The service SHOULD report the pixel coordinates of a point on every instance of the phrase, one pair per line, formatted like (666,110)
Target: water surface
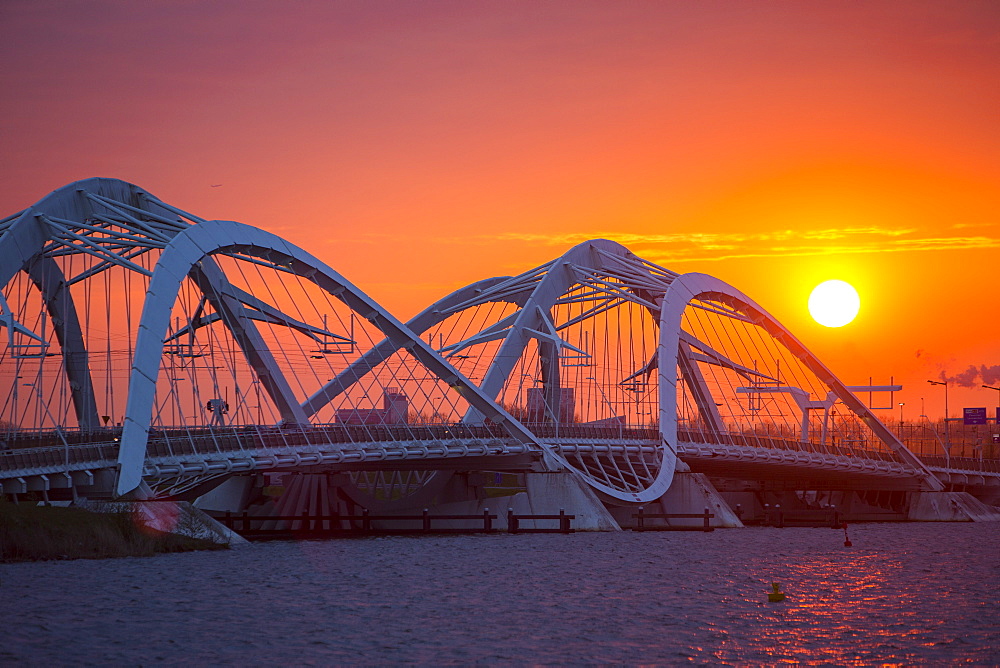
(909,594)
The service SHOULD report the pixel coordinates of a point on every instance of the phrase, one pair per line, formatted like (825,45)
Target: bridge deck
(189,452)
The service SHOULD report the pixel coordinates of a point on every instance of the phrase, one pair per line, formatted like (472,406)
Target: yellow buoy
(777,594)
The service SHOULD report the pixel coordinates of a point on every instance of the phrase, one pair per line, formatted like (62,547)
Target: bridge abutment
(550,492)
(177,517)
(455,493)
(949,507)
(689,494)
(233,495)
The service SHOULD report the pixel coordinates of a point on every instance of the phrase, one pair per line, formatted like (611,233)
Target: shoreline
(47,533)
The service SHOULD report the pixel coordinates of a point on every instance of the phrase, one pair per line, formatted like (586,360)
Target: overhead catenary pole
(990,387)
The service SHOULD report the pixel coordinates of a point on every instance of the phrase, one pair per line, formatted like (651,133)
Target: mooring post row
(305,522)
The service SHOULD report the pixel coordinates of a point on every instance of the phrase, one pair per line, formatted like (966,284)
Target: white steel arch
(688,287)
(185,254)
(30,238)
(112,223)
(536,292)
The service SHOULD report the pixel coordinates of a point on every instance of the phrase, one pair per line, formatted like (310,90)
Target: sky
(419,146)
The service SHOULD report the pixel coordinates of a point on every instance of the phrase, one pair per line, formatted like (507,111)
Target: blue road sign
(973,416)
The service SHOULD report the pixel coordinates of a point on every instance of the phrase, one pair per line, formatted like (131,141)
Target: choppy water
(926,594)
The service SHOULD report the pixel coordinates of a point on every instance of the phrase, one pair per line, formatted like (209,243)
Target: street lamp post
(997,415)
(990,387)
(947,432)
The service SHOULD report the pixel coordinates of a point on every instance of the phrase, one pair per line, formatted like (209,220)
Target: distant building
(395,410)
(614,421)
(536,411)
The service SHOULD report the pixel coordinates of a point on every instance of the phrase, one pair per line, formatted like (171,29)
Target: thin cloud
(721,246)
(895,246)
(964,226)
(702,246)
(695,238)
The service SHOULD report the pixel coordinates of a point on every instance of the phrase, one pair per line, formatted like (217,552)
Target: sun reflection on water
(827,615)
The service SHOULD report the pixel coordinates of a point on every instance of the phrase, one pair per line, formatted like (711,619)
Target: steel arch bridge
(146,347)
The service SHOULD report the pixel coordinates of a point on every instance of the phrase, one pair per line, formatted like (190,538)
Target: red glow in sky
(417,147)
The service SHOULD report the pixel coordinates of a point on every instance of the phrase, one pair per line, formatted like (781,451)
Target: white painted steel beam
(178,259)
(115,222)
(688,287)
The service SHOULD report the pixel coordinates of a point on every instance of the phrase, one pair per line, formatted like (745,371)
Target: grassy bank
(38,533)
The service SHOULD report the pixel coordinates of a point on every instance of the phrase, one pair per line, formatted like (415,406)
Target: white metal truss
(687,288)
(105,224)
(599,272)
(188,252)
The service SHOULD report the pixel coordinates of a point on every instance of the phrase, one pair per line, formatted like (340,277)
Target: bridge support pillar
(546,493)
(232,495)
(550,492)
(689,494)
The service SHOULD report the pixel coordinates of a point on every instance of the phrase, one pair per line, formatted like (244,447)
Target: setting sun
(834,303)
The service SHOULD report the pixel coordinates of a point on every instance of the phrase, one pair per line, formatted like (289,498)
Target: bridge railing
(40,449)
(964,463)
(178,442)
(551,431)
(51,448)
(58,455)
(776,443)
(20,439)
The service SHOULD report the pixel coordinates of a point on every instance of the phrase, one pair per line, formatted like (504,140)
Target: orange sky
(417,147)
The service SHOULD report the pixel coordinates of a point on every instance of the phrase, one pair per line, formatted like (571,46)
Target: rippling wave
(904,594)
